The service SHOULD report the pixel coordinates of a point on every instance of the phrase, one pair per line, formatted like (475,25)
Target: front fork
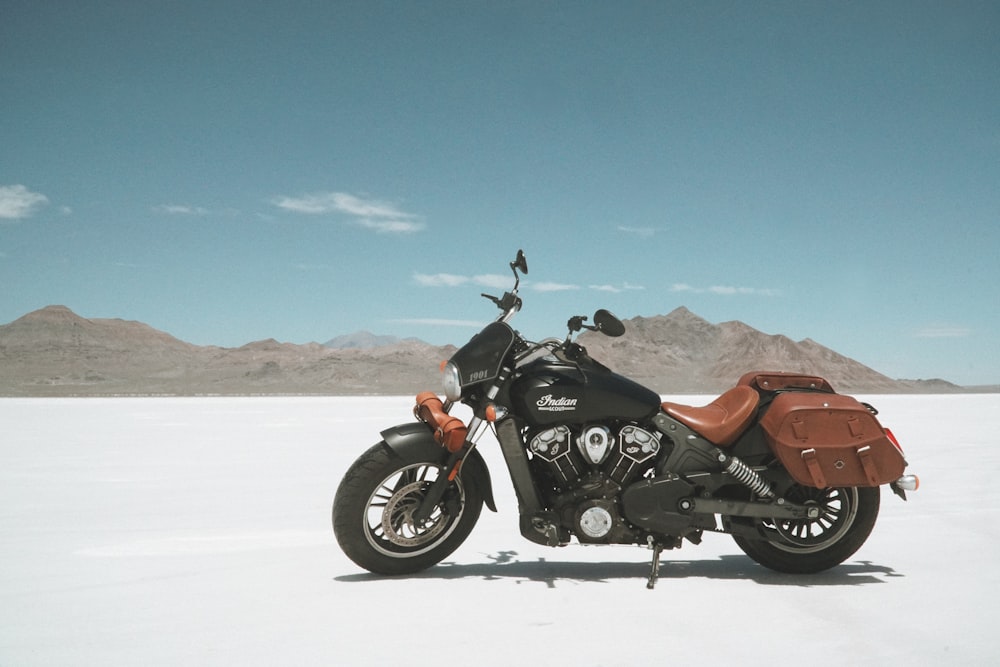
(529,501)
(448,469)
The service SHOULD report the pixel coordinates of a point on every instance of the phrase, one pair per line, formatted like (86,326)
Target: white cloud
(17,202)
(641,232)
(391,226)
(340,202)
(494,280)
(552,287)
(724,290)
(505,282)
(727,290)
(379,216)
(440,279)
(180,209)
(943,331)
(615,289)
(312,204)
(370,208)
(452,280)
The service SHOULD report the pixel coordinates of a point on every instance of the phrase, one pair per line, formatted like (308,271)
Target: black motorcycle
(787,466)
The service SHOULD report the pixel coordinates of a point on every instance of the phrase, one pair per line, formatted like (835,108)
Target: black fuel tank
(550,391)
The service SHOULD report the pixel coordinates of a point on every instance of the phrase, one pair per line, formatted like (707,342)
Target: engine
(588,466)
(572,455)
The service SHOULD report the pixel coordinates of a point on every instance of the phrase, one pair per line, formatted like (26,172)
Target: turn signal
(908,482)
(494,412)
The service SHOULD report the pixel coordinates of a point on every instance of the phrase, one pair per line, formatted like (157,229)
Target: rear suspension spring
(746,476)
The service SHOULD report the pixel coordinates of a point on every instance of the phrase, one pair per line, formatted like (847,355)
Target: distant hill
(55,352)
(681,352)
(365,340)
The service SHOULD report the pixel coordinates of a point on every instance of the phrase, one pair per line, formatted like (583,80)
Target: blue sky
(232,171)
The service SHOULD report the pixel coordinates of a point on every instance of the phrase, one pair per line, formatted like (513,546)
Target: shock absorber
(746,476)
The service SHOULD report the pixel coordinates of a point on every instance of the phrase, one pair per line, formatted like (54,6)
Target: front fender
(414,442)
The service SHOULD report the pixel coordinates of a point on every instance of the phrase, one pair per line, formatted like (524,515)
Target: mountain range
(55,352)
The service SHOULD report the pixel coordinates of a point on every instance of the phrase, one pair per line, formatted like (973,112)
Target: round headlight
(452,382)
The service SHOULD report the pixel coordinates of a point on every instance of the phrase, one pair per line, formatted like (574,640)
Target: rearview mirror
(521,263)
(608,324)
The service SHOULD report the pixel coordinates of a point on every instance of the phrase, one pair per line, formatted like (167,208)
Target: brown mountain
(55,352)
(56,347)
(681,352)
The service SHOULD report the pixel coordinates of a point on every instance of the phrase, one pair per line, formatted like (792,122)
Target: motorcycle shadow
(505,565)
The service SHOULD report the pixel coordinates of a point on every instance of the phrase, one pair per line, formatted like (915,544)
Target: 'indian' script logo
(548,403)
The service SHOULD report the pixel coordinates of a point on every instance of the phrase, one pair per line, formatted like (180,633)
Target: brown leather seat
(722,420)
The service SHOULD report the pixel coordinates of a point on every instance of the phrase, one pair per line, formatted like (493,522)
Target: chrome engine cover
(554,446)
(552,443)
(595,522)
(636,446)
(595,444)
(639,444)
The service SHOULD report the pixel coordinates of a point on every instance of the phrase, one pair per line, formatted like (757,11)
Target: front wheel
(373,513)
(805,546)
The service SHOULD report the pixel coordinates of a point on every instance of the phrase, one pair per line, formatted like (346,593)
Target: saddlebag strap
(868,463)
(815,470)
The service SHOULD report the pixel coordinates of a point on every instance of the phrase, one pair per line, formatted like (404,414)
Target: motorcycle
(781,462)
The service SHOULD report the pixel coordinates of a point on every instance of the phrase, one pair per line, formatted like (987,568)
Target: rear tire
(373,513)
(808,546)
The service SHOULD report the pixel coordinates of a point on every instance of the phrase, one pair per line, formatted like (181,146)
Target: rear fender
(414,442)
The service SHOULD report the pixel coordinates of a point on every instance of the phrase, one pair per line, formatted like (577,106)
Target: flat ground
(197,531)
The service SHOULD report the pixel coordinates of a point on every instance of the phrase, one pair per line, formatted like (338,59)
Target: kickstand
(654,568)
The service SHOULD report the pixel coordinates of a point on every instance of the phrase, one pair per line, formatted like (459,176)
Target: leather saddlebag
(829,440)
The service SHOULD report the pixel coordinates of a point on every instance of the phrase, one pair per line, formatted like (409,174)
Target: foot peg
(543,528)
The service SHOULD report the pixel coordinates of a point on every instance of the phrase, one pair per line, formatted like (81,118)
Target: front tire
(806,546)
(373,513)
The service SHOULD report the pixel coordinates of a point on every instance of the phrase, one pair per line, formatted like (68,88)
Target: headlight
(452,382)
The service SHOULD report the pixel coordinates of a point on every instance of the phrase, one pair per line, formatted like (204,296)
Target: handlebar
(549,345)
(510,302)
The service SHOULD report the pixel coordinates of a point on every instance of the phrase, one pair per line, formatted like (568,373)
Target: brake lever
(492,298)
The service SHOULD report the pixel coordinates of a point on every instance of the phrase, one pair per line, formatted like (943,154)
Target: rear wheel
(804,546)
(373,513)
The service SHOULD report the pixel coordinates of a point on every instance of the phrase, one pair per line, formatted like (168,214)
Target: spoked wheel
(373,514)
(804,546)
